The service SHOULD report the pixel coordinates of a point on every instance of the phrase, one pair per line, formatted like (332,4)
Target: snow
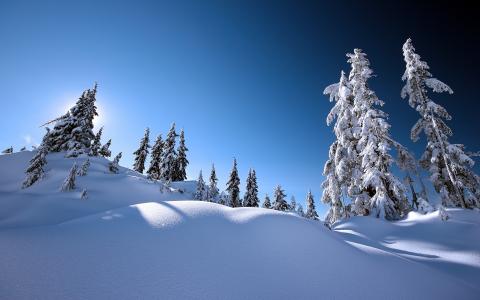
(128,240)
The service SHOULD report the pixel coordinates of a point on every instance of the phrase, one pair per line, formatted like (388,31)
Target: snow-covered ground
(130,241)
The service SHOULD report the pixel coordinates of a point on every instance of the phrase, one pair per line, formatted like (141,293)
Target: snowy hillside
(128,240)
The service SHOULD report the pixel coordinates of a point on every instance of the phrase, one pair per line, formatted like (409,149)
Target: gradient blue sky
(243,78)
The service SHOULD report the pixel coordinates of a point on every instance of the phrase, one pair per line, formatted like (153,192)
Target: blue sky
(243,78)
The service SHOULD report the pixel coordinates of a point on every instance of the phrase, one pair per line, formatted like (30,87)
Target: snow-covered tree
(449,165)
(251,194)
(266,202)
(169,156)
(73,132)
(96,144)
(233,186)
(35,169)
(156,161)
(69,183)
(342,169)
(382,193)
(142,152)
(84,194)
(105,150)
(279,202)
(224,199)
(8,151)
(113,166)
(181,161)
(201,191)
(311,212)
(300,211)
(84,168)
(293,204)
(424,206)
(212,188)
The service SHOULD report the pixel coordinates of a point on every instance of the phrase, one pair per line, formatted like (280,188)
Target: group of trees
(167,162)
(232,197)
(359,165)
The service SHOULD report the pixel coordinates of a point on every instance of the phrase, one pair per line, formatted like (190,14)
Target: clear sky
(243,78)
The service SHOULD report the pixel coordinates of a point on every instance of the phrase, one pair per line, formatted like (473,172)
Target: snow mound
(128,240)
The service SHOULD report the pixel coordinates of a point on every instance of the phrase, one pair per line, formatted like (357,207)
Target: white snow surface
(128,240)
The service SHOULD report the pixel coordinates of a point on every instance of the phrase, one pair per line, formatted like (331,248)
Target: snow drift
(129,240)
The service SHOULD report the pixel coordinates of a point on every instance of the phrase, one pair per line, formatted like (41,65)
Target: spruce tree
(201,191)
(95,147)
(311,212)
(8,151)
(35,169)
(293,204)
(233,186)
(279,199)
(212,188)
(156,161)
(449,165)
(105,150)
(382,193)
(300,211)
(84,168)
(84,194)
(69,183)
(181,161)
(251,194)
(169,156)
(142,152)
(113,166)
(266,202)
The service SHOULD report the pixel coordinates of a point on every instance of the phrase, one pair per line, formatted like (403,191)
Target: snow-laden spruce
(449,166)
(105,150)
(293,204)
(300,211)
(35,169)
(73,132)
(311,211)
(201,191)
(8,151)
(251,194)
(169,156)
(69,183)
(181,161)
(233,186)
(212,187)
(113,166)
(279,202)
(84,168)
(156,159)
(266,202)
(142,152)
(96,144)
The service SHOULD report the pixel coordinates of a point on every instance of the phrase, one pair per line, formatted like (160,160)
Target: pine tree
(251,194)
(73,132)
(224,199)
(181,161)
(266,202)
(113,166)
(293,204)
(342,169)
(156,161)
(213,189)
(69,183)
(233,186)
(169,156)
(84,194)
(105,150)
(449,165)
(84,168)
(280,203)
(201,191)
(311,212)
(300,211)
(35,169)
(95,147)
(142,152)
(382,193)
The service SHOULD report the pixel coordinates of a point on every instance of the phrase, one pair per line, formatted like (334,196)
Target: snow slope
(128,240)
